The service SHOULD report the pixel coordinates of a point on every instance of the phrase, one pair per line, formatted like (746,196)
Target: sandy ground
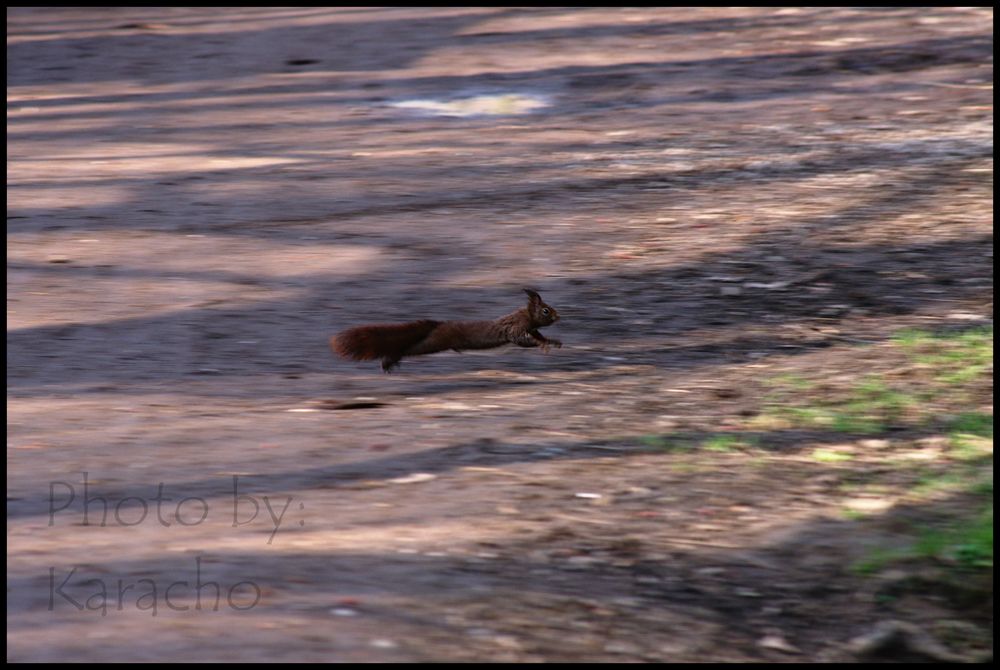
(199,198)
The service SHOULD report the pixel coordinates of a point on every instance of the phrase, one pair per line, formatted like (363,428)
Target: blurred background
(768,435)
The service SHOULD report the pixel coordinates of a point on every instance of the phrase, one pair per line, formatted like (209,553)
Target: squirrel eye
(545,311)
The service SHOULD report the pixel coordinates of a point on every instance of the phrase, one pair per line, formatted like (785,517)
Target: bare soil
(199,198)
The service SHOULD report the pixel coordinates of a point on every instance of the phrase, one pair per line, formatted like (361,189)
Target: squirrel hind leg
(388,363)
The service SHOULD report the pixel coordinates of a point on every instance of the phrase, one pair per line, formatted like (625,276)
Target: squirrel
(394,341)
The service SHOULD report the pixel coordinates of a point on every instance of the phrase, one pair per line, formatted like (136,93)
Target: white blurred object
(480,105)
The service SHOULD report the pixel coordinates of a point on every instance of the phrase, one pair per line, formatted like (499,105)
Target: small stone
(778,643)
(868,505)
(770,286)
(414,478)
(622,648)
(343,611)
(507,642)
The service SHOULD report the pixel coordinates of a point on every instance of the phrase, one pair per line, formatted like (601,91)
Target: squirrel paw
(544,346)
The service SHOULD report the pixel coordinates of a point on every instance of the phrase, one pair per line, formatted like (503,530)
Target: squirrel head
(540,313)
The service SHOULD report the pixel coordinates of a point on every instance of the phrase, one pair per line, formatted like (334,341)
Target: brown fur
(394,341)
(366,343)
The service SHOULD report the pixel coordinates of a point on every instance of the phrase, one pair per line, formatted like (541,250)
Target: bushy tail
(383,341)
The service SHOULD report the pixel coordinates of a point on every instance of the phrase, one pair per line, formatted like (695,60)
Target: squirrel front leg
(545,341)
(533,338)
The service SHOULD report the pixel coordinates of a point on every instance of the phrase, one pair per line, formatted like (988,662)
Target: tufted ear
(533,295)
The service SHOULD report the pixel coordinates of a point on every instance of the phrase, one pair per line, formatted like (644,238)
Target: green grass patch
(680,442)
(977,424)
(918,338)
(941,481)
(966,545)
(726,442)
(964,542)
(938,385)
(790,381)
(830,456)
(953,358)
(665,442)
(869,408)
(877,559)
(852,514)
(940,361)
(970,437)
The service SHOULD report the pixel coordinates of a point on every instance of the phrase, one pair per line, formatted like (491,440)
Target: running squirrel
(393,342)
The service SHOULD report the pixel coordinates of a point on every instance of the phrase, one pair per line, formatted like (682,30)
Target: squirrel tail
(387,342)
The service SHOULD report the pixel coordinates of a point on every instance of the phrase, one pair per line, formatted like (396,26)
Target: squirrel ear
(533,295)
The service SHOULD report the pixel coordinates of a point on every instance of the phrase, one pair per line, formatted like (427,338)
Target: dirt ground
(199,198)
